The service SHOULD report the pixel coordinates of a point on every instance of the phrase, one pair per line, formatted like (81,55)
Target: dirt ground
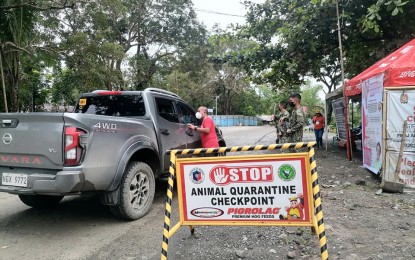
(361,222)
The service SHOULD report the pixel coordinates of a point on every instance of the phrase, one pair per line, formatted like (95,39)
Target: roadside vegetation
(53,50)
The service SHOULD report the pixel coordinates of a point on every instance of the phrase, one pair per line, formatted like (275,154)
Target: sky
(232,11)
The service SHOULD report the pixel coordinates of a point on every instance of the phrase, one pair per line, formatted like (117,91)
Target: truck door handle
(189,132)
(8,123)
(164,131)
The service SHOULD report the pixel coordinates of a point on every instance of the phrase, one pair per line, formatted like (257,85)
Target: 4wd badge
(105,127)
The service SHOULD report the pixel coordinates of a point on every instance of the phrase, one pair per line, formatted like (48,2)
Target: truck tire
(40,201)
(137,190)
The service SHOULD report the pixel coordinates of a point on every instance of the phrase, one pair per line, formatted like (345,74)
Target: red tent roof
(399,69)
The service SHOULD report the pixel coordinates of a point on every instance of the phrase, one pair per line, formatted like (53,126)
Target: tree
(122,44)
(227,78)
(16,25)
(304,43)
(303,36)
(18,37)
(310,97)
(374,13)
(207,73)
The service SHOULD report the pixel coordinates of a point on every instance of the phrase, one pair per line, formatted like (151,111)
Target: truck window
(165,108)
(187,115)
(112,105)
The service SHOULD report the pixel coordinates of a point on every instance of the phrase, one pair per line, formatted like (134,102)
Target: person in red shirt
(318,124)
(207,129)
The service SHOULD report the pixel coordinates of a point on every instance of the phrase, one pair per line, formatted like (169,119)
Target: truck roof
(128,92)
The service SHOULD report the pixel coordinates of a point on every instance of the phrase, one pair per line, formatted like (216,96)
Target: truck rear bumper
(64,182)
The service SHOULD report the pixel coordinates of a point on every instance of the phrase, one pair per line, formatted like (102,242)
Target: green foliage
(16,33)
(34,87)
(249,103)
(66,88)
(299,38)
(377,10)
(54,50)
(355,114)
(310,97)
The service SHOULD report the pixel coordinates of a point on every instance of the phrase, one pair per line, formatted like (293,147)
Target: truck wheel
(137,190)
(40,201)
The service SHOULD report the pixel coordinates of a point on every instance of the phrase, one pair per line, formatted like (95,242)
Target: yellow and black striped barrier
(317,213)
(319,226)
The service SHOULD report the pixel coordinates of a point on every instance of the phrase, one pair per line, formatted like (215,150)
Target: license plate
(14,179)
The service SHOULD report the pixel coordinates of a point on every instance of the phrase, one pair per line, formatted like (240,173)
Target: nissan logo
(7,138)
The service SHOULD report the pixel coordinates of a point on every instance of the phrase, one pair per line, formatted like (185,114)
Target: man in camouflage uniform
(297,120)
(282,123)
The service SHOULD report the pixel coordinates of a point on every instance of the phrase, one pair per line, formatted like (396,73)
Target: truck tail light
(73,146)
(107,93)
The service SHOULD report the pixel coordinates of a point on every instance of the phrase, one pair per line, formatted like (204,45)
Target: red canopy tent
(398,69)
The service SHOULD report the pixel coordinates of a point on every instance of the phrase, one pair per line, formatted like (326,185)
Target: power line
(214,12)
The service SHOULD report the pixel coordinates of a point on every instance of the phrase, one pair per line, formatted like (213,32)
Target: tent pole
(346,115)
(352,115)
(326,125)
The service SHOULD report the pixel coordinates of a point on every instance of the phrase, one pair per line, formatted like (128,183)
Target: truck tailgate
(32,140)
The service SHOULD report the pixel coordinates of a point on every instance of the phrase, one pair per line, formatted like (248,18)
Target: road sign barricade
(245,190)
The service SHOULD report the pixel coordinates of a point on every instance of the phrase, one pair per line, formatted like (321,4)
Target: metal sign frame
(298,158)
(313,189)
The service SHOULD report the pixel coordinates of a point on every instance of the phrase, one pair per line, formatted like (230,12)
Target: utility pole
(348,143)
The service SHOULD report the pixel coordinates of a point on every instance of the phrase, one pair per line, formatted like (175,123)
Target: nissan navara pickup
(114,143)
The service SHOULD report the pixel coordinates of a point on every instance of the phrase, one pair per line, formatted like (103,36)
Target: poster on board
(406,174)
(401,107)
(338,109)
(372,95)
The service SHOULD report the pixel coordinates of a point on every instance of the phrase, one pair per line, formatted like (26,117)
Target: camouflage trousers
(284,139)
(296,137)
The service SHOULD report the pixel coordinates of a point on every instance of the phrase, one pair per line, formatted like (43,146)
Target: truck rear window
(112,105)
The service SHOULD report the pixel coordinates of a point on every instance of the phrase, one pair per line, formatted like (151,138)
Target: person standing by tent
(318,124)
(297,119)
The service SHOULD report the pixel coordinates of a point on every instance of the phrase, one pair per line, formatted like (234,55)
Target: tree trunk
(3,83)
(120,75)
(15,83)
(329,112)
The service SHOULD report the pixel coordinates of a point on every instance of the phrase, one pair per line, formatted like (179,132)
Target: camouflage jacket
(283,125)
(297,120)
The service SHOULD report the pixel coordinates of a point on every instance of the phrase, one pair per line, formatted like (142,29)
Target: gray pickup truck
(114,143)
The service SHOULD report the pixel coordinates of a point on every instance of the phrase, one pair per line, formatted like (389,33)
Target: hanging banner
(406,174)
(372,94)
(338,109)
(245,190)
(401,107)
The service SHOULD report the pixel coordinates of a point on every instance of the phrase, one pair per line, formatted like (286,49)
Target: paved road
(81,228)
(254,135)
